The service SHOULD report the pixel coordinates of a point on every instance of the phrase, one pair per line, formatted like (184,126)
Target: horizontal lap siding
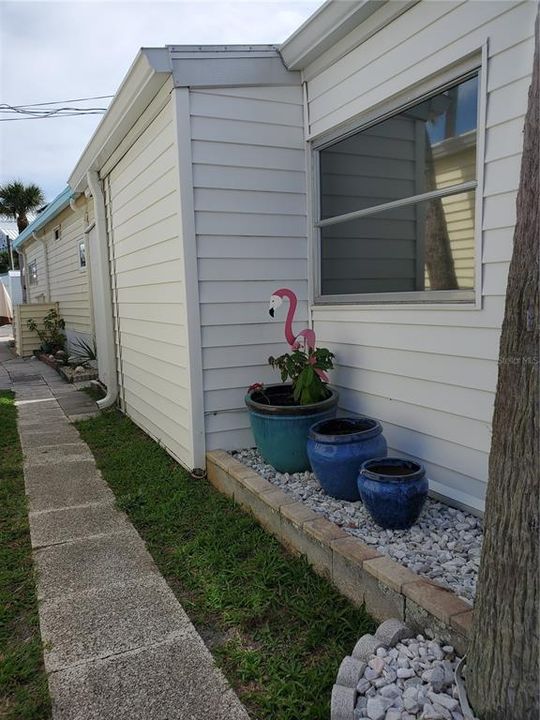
(430,375)
(148,292)
(69,284)
(250,220)
(34,253)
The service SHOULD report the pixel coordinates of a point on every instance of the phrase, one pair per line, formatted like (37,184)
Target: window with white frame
(81,250)
(397,203)
(33,273)
(57,233)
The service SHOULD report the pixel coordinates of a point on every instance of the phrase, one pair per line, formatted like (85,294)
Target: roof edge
(327,26)
(146,75)
(54,208)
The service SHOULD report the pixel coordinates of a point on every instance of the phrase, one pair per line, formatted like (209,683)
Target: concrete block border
(388,589)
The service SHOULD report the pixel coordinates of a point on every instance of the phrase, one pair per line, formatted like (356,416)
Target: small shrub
(51,333)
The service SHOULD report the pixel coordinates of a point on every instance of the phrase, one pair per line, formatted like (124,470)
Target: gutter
(101,292)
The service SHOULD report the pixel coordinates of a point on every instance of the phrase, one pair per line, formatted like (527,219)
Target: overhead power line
(29,111)
(57,102)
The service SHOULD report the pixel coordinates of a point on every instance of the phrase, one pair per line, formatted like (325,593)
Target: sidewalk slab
(92,563)
(52,487)
(66,452)
(46,438)
(51,527)
(172,681)
(96,623)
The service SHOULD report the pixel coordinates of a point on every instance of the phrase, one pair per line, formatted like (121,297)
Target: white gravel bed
(444,545)
(414,680)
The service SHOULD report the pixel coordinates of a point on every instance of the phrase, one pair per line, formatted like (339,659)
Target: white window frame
(31,281)
(81,241)
(57,229)
(475,63)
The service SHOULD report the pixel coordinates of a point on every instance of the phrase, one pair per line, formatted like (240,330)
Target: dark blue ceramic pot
(393,490)
(337,448)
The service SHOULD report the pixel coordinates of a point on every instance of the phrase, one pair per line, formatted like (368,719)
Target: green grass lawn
(277,629)
(23,683)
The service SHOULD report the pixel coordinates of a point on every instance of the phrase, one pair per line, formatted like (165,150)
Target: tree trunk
(22,222)
(502,663)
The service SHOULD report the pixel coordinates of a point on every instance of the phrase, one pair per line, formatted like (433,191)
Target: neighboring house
(370,164)
(55,263)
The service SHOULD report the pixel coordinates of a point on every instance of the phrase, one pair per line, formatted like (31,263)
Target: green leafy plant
(307,371)
(84,352)
(51,333)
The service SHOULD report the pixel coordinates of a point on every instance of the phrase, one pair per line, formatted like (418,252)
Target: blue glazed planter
(393,490)
(337,448)
(281,427)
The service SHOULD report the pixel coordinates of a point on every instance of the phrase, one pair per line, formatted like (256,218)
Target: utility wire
(28,112)
(56,102)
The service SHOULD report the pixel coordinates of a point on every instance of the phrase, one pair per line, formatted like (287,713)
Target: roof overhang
(148,73)
(327,26)
(229,66)
(334,22)
(54,208)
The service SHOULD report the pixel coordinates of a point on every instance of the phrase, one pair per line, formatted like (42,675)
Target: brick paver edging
(388,589)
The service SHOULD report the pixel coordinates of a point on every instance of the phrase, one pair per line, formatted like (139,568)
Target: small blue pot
(336,450)
(281,427)
(394,491)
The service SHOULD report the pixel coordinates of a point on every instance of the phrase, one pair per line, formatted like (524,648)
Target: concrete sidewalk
(117,644)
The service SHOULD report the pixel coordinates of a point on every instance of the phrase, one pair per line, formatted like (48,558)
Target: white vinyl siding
(36,292)
(430,374)
(250,220)
(68,285)
(146,256)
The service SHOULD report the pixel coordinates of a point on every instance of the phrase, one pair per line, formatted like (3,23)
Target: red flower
(255,386)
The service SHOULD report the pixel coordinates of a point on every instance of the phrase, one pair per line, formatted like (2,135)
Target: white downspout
(101,286)
(46,258)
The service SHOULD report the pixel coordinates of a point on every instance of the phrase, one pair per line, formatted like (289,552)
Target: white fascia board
(149,71)
(198,66)
(326,27)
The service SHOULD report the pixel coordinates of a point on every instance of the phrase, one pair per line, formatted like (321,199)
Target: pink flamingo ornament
(307,335)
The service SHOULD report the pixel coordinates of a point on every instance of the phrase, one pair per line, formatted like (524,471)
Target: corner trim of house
(188,240)
(359,572)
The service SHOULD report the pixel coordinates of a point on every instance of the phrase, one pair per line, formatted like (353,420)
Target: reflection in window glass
(82,254)
(33,273)
(428,146)
(427,245)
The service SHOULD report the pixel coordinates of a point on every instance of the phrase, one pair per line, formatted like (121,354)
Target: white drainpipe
(46,259)
(101,286)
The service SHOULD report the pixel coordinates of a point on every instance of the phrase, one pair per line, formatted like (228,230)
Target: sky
(52,51)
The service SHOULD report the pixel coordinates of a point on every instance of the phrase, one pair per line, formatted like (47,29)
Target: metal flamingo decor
(307,335)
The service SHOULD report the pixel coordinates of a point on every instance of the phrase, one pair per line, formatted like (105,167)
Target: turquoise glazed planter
(281,427)
(337,448)
(394,491)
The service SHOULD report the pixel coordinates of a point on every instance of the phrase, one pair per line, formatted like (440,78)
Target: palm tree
(17,200)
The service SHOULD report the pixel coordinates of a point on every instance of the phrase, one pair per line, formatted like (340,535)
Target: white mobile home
(55,263)
(371,165)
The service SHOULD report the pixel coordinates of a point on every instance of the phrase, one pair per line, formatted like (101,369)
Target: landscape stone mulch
(444,545)
(395,675)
